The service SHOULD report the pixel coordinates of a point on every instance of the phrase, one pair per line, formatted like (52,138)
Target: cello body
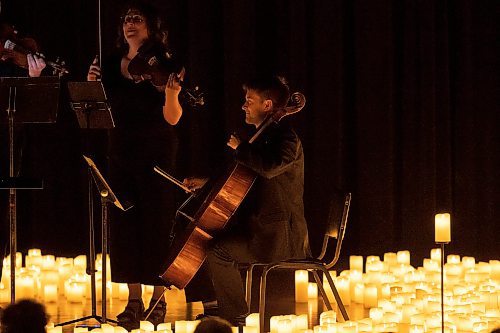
(189,248)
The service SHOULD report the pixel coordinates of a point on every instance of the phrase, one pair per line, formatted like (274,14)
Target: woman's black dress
(141,139)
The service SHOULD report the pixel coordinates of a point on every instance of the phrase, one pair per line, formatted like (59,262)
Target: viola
(15,49)
(155,63)
(188,250)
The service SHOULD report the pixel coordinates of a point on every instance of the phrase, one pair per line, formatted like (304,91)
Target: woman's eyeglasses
(132,19)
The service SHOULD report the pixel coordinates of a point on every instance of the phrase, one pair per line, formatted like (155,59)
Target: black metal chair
(333,227)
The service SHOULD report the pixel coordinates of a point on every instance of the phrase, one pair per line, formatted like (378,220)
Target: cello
(188,250)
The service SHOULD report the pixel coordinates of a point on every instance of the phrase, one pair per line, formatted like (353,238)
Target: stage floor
(63,311)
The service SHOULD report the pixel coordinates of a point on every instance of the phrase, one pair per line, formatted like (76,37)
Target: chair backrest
(335,224)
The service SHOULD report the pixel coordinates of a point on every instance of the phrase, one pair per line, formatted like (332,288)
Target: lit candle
(370,298)
(146,325)
(417,328)
(359,290)
(285,326)
(252,320)
(107,328)
(80,263)
(301,286)
(453,259)
(25,287)
(468,262)
(50,293)
(436,255)
(180,326)
(164,327)
(75,292)
(328,317)
(312,290)
(442,228)
(376,314)
(342,284)
(403,257)
(356,263)
(390,258)
(355,277)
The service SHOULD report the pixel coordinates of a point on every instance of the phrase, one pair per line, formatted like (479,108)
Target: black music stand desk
(25,100)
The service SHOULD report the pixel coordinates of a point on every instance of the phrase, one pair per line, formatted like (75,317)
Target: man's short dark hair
(274,88)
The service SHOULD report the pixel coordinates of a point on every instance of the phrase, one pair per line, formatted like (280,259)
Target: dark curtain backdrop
(402,110)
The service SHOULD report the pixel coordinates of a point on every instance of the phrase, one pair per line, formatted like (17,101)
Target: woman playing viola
(144,135)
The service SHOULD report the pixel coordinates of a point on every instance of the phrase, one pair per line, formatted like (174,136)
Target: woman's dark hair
(153,22)
(274,88)
(25,316)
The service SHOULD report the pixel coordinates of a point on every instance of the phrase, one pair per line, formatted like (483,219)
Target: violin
(15,49)
(155,63)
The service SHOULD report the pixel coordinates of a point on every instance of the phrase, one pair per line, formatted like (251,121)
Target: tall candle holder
(442,237)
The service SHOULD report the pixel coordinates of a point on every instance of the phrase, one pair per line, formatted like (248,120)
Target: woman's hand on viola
(173,87)
(94,73)
(35,65)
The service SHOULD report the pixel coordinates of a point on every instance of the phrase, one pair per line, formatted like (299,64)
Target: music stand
(88,101)
(26,100)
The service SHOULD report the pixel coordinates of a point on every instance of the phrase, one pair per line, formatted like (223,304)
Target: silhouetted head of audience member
(213,325)
(25,316)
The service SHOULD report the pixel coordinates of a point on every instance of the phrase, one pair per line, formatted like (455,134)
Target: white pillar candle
(301,322)
(403,257)
(356,263)
(435,255)
(252,320)
(416,328)
(285,326)
(146,325)
(390,258)
(342,283)
(80,329)
(34,252)
(164,326)
(75,292)
(442,228)
(312,290)
(495,269)
(301,286)
(376,314)
(355,277)
(107,328)
(248,329)
(80,263)
(370,260)
(370,297)
(453,259)
(348,327)
(48,262)
(50,293)
(25,287)
(328,317)
(180,326)
(468,262)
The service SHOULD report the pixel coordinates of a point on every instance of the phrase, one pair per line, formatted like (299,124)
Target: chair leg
(248,289)
(322,290)
(336,294)
(262,300)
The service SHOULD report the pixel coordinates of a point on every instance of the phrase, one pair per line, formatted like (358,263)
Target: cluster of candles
(400,298)
(397,296)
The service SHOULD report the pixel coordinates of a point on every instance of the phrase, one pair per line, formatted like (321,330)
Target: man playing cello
(270,221)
